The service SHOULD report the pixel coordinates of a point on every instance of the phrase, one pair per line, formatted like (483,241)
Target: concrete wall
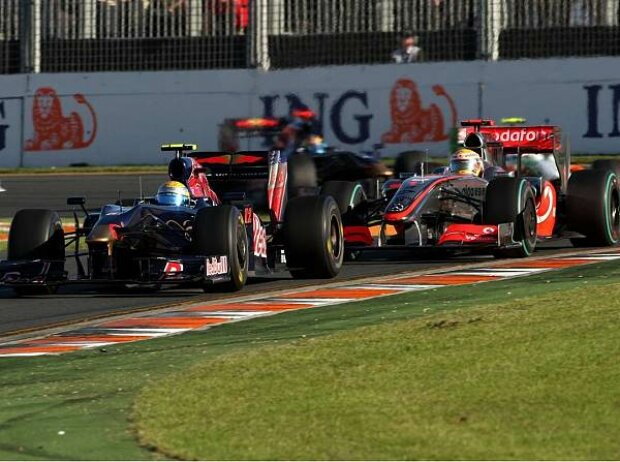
(121,118)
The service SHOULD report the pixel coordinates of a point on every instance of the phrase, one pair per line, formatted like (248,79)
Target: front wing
(151,270)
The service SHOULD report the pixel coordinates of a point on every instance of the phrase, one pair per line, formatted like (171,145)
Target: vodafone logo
(520,135)
(489,230)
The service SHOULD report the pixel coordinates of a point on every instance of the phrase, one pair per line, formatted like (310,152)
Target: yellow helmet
(466,162)
(173,193)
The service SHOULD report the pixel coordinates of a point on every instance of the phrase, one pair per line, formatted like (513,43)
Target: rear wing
(237,165)
(533,138)
(233,130)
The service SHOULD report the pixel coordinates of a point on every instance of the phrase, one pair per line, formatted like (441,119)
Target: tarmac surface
(77,303)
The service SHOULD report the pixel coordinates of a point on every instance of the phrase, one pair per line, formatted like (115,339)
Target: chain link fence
(143,35)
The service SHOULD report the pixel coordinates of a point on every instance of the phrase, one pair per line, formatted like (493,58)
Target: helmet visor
(171,198)
(463,166)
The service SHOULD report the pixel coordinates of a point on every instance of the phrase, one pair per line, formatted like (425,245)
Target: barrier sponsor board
(122,118)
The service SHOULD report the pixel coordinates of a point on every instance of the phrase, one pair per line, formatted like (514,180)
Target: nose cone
(102,233)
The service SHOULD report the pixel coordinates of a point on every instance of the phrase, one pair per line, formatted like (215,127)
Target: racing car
(312,163)
(203,236)
(528,192)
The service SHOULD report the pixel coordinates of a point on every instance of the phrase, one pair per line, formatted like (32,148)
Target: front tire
(220,231)
(314,237)
(37,234)
(593,207)
(511,200)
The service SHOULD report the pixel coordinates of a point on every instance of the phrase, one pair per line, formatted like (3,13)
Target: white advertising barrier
(10,131)
(12,90)
(122,118)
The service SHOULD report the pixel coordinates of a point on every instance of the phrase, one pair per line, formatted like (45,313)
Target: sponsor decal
(217,266)
(413,123)
(54,130)
(173,266)
(611,124)
(474,192)
(538,137)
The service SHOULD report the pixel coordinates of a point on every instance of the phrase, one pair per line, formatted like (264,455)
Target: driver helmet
(173,193)
(316,145)
(466,162)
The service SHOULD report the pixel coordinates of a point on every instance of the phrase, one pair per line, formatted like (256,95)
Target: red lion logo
(53,130)
(410,122)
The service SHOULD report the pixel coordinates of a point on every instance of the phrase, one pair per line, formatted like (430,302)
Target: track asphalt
(76,303)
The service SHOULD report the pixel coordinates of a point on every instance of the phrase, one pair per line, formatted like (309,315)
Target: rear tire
(221,231)
(302,174)
(410,163)
(593,207)
(511,200)
(607,164)
(347,194)
(36,234)
(314,237)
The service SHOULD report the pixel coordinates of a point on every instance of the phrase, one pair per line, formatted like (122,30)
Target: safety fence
(135,35)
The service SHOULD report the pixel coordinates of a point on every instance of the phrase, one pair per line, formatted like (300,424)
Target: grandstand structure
(148,35)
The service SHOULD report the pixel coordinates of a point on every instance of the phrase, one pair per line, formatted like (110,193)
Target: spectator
(226,17)
(409,50)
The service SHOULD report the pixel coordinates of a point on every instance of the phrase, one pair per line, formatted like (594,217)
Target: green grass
(90,395)
(535,378)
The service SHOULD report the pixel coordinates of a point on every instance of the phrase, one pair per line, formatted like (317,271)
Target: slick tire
(302,175)
(410,163)
(313,237)
(511,200)
(36,234)
(593,207)
(347,194)
(221,231)
(607,164)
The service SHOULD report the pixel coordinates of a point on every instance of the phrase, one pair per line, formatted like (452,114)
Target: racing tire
(302,174)
(593,207)
(219,231)
(313,237)
(512,200)
(347,194)
(607,164)
(410,162)
(36,234)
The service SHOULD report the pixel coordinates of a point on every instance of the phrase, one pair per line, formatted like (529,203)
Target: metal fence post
(490,21)
(259,31)
(196,15)
(89,21)
(386,15)
(30,36)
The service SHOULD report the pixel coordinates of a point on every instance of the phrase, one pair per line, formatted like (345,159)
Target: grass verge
(534,378)
(79,405)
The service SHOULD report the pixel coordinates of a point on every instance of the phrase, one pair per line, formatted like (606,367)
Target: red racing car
(527,193)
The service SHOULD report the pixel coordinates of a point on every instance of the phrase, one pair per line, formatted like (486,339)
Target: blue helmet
(173,193)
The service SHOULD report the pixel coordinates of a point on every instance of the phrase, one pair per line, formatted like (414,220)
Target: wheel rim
(334,241)
(614,215)
(529,226)
(241,249)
